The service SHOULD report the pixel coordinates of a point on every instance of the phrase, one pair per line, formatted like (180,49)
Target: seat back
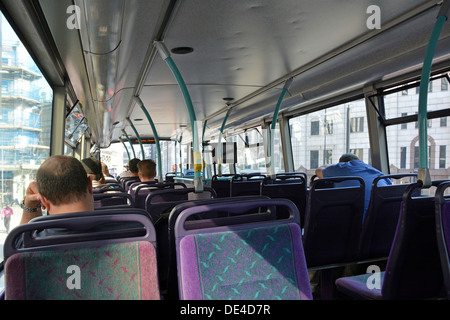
(222,185)
(287,187)
(162,201)
(414,268)
(333,221)
(245,185)
(113,199)
(84,256)
(252,260)
(442,208)
(143,190)
(381,217)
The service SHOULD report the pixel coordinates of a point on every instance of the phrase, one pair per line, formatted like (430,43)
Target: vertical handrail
(138,137)
(155,135)
(219,143)
(271,132)
(424,172)
(126,149)
(129,141)
(197,156)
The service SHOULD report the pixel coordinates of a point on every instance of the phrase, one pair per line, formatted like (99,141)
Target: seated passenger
(147,170)
(146,173)
(61,186)
(350,165)
(132,169)
(93,169)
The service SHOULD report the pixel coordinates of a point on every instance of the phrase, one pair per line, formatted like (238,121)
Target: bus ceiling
(231,54)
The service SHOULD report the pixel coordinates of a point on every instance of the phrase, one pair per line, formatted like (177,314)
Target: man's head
(93,166)
(62,180)
(132,166)
(105,169)
(346,157)
(147,170)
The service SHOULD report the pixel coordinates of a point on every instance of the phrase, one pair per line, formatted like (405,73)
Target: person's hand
(32,196)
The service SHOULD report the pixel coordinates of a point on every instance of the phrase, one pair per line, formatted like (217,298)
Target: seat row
(219,248)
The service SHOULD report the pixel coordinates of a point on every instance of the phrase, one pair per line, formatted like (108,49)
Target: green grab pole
(129,141)
(198,185)
(155,134)
(424,172)
(273,126)
(138,137)
(126,149)
(203,151)
(219,144)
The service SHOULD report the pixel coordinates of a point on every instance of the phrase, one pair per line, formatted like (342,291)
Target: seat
(292,187)
(221,184)
(245,185)
(413,270)
(169,225)
(113,199)
(442,207)
(381,217)
(143,190)
(99,255)
(162,201)
(245,261)
(333,221)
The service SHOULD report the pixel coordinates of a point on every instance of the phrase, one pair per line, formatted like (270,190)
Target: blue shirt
(359,169)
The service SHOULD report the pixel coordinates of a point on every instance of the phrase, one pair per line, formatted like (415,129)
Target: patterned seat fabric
(252,264)
(124,271)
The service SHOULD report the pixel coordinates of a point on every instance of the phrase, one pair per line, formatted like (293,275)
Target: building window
(329,126)
(403,158)
(444,84)
(315,128)
(443,122)
(404,126)
(417,157)
(314,159)
(357,124)
(327,157)
(358,152)
(442,156)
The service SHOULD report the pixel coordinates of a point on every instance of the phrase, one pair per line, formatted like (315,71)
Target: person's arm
(31,204)
(319,172)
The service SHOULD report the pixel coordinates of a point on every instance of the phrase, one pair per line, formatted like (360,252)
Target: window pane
(310,152)
(403,144)
(25,123)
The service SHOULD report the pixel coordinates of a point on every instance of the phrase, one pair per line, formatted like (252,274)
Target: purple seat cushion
(356,286)
(124,271)
(252,264)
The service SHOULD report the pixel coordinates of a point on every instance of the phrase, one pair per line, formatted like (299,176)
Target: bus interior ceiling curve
(244,50)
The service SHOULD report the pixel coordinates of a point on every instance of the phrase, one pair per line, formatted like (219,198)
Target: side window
(25,125)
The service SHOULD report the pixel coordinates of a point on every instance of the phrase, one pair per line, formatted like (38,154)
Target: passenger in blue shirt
(350,165)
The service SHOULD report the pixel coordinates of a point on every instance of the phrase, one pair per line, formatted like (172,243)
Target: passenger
(147,170)
(146,173)
(350,165)
(132,169)
(105,171)
(61,186)
(93,169)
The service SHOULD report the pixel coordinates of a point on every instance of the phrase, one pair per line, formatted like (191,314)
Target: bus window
(403,137)
(320,138)
(25,124)
(116,156)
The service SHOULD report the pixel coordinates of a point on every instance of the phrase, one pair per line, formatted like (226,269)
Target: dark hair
(348,157)
(62,180)
(132,165)
(93,166)
(147,168)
